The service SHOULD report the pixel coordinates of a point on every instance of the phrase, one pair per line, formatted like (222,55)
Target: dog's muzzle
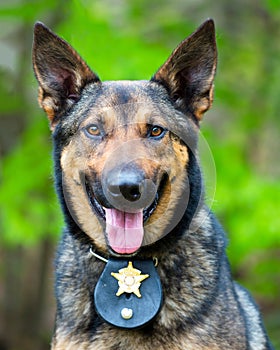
(128,190)
(129,194)
(125,199)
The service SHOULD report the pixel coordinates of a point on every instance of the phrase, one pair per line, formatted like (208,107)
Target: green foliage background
(129,40)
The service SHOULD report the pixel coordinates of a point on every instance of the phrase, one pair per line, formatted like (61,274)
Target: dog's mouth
(124,230)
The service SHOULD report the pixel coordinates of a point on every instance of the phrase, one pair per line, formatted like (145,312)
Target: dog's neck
(101,257)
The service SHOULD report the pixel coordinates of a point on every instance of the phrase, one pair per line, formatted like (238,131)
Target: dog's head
(125,150)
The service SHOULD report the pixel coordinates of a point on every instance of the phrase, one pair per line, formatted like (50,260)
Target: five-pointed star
(129,280)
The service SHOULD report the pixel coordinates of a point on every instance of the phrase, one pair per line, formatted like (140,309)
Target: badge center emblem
(129,280)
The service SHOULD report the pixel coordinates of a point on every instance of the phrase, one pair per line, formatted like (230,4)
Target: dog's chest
(135,341)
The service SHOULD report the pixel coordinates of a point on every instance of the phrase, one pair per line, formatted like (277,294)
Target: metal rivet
(127,313)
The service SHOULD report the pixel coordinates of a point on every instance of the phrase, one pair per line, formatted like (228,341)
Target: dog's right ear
(60,71)
(189,72)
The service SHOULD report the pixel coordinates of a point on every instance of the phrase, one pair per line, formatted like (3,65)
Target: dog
(141,263)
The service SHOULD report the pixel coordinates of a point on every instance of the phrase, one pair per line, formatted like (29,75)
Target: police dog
(130,186)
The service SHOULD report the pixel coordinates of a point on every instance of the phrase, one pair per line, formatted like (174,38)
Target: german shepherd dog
(141,264)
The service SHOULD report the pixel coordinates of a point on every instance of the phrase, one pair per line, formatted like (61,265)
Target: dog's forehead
(128,92)
(118,103)
(124,102)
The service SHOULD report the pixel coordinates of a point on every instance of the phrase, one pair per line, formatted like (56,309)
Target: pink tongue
(125,230)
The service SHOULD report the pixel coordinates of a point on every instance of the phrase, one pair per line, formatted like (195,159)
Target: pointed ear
(188,73)
(60,71)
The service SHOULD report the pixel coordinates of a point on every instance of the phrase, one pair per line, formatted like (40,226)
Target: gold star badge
(129,280)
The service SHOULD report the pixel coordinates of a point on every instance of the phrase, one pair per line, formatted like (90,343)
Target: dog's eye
(156,131)
(93,130)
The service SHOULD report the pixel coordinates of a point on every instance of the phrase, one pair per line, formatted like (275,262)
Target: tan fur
(71,164)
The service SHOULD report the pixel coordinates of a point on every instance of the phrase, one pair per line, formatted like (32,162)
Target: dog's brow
(93,117)
(155,118)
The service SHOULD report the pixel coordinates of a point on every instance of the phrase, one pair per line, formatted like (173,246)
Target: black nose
(128,184)
(131,191)
(128,190)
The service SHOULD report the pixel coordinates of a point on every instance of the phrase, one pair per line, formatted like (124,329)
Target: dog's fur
(148,128)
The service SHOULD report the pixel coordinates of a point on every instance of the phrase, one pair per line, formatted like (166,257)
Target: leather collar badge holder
(128,294)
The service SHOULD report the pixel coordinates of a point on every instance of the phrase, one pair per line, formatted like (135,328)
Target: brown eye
(156,131)
(93,130)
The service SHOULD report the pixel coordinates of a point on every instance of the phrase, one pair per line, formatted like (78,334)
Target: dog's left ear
(60,71)
(189,72)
